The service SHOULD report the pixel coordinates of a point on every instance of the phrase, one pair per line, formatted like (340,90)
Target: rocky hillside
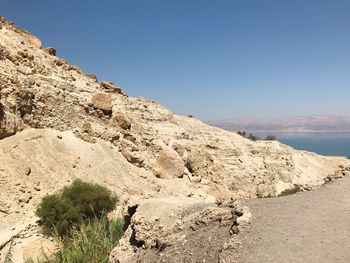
(171,172)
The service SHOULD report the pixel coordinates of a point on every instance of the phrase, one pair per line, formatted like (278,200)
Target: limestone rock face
(65,125)
(8,122)
(193,230)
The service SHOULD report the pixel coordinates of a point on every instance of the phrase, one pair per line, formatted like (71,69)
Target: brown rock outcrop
(103,102)
(110,87)
(122,120)
(50,51)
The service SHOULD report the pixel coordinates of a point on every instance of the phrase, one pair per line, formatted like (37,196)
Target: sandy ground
(305,227)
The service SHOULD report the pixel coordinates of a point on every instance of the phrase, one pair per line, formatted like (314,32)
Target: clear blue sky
(213,59)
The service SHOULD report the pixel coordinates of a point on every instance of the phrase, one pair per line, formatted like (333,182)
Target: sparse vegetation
(74,204)
(270,138)
(8,255)
(242,133)
(91,242)
(250,136)
(290,191)
(256,138)
(253,137)
(76,218)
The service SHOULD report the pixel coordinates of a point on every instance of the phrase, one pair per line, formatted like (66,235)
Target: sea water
(324,143)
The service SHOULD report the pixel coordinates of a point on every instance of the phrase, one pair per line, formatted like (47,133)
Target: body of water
(334,143)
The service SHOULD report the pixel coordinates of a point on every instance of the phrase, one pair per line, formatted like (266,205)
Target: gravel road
(304,227)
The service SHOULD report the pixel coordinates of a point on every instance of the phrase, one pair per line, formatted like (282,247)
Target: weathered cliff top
(58,124)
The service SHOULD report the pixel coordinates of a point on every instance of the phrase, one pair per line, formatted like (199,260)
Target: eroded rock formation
(61,124)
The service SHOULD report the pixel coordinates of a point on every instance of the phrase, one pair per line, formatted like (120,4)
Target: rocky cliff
(173,174)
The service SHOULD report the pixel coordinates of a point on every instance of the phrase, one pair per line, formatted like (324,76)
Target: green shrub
(92,242)
(290,191)
(250,136)
(242,133)
(73,205)
(270,138)
(253,137)
(8,254)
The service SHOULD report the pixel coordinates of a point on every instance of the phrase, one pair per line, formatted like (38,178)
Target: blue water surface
(334,143)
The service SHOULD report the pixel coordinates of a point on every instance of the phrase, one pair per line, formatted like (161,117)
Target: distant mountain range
(325,123)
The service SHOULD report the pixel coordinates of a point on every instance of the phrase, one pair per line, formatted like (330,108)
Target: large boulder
(102,101)
(169,164)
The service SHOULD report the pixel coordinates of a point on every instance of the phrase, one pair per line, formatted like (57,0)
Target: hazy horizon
(252,118)
(213,60)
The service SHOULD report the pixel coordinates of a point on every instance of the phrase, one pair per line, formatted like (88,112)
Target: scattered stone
(23,54)
(50,50)
(169,164)
(123,121)
(195,179)
(60,62)
(24,70)
(102,101)
(27,171)
(110,87)
(132,158)
(24,198)
(92,77)
(25,102)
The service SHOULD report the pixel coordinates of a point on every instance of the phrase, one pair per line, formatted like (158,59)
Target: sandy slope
(305,227)
(58,124)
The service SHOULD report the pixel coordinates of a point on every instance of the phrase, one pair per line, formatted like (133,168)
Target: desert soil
(305,227)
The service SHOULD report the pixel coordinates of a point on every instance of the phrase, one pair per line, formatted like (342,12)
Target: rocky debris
(169,164)
(134,146)
(27,170)
(60,62)
(133,157)
(342,172)
(92,77)
(8,123)
(25,70)
(110,87)
(102,101)
(4,53)
(50,50)
(25,102)
(122,120)
(175,229)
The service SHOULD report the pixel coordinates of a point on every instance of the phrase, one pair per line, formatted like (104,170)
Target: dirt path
(305,227)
